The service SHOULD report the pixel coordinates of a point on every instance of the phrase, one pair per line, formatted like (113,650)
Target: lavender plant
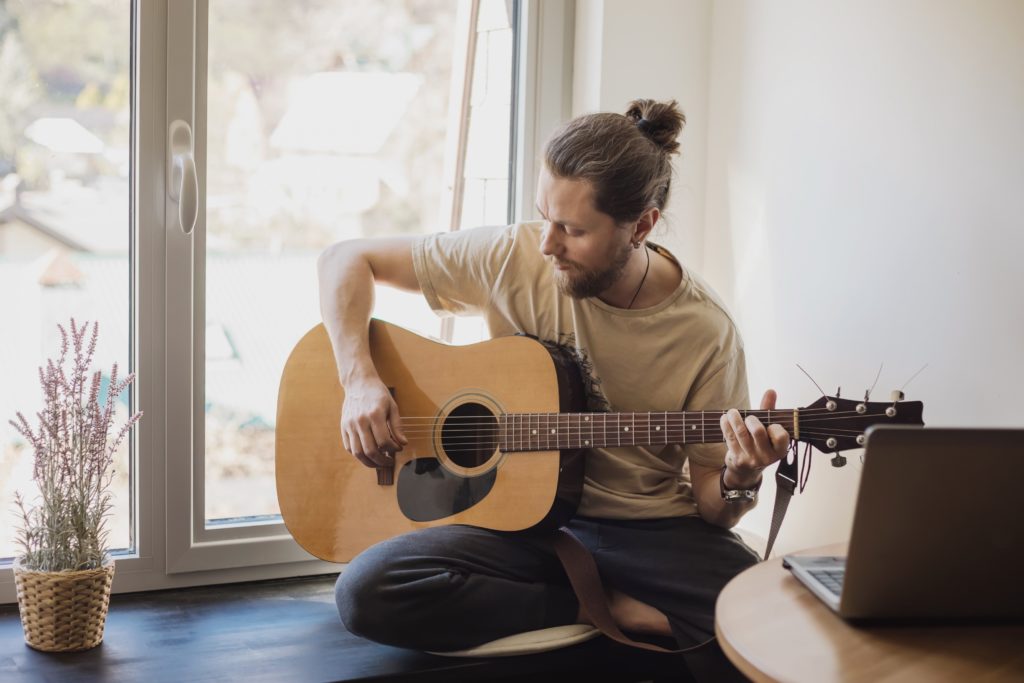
(74,458)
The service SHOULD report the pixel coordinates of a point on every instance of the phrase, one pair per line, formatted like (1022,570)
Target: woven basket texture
(64,611)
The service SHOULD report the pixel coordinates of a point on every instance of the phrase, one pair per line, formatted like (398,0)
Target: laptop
(938,530)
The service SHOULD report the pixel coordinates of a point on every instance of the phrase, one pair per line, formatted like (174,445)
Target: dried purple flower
(74,457)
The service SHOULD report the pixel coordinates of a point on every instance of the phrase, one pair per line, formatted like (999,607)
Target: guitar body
(334,506)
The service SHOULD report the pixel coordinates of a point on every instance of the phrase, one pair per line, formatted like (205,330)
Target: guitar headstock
(832,424)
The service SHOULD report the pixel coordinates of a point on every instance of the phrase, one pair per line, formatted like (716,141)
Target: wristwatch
(738,495)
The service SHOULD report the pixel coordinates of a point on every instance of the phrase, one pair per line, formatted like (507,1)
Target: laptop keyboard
(832,579)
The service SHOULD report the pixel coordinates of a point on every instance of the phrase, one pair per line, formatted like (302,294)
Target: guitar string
(525,424)
(539,448)
(631,434)
(562,418)
(466,434)
(671,413)
(538,444)
(597,425)
(713,437)
(472,433)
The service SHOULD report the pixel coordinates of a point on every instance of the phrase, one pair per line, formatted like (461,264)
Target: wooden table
(773,629)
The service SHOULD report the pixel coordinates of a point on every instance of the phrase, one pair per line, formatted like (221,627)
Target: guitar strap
(586,581)
(785,485)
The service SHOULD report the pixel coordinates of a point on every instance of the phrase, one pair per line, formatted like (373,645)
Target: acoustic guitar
(497,431)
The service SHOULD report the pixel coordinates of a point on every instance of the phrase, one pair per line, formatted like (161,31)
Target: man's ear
(648,219)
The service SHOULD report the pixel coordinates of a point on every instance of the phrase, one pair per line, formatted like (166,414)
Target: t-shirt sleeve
(457,271)
(723,387)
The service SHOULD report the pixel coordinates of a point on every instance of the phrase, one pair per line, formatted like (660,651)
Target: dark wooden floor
(284,631)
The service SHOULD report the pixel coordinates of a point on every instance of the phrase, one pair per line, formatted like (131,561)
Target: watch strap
(737,495)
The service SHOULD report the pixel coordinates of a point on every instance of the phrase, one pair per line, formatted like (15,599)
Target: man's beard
(580,283)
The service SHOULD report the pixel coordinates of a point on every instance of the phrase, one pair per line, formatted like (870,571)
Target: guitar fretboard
(554,431)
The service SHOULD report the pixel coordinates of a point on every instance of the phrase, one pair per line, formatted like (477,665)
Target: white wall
(864,198)
(865,175)
(624,50)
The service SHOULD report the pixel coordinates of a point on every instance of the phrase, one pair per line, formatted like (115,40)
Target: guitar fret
(642,423)
(548,429)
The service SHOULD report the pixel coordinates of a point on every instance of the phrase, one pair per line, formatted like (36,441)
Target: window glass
(65,121)
(327,121)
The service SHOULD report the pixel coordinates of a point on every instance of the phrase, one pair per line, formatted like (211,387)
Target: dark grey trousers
(454,587)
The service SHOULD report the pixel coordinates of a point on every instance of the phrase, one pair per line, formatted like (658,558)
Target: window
(65,136)
(307,123)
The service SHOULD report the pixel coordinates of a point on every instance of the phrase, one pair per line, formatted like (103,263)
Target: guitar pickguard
(427,491)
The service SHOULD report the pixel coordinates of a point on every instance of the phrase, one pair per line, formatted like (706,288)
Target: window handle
(183,182)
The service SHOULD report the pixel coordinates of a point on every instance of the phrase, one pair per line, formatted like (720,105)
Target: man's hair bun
(660,121)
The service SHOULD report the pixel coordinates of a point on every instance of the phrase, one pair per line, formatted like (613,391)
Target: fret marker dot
(586,419)
(692,427)
(534,431)
(552,431)
(625,429)
(586,443)
(657,429)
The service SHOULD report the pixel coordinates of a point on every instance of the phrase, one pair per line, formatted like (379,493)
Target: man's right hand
(371,428)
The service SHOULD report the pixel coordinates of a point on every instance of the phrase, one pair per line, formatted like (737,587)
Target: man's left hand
(752,446)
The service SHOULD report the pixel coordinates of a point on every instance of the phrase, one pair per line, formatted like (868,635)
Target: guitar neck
(555,431)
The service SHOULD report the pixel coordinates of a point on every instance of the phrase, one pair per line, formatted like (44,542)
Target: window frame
(172,546)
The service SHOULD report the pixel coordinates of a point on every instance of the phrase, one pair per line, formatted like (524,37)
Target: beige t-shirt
(681,354)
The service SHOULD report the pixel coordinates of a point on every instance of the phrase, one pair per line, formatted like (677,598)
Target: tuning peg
(896,397)
(838,460)
(838,391)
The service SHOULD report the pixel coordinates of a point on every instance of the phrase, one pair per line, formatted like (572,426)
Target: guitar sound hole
(470,435)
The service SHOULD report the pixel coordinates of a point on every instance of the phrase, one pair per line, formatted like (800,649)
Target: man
(648,335)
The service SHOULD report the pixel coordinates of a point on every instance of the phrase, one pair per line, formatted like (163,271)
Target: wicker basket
(64,611)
